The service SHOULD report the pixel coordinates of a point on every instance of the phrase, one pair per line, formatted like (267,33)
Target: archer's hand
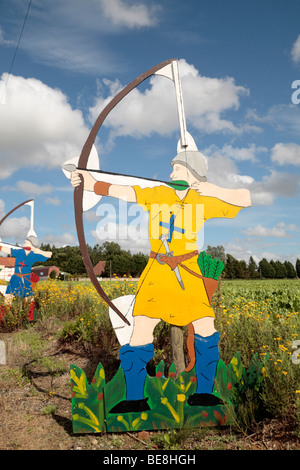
(81,175)
(236,197)
(203,188)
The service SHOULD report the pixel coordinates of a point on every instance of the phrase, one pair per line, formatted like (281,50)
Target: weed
(54,366)
(49,410)
(13,376)
(30,342)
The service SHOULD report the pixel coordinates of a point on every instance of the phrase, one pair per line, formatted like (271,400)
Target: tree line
(264,269)
(118,262)
(121,262)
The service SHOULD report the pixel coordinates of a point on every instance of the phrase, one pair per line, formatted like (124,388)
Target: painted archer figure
(20,284)
(171,287)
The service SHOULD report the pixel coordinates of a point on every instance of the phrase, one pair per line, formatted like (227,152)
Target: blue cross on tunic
(172,227)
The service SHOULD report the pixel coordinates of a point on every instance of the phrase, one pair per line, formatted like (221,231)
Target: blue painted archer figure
(20,284)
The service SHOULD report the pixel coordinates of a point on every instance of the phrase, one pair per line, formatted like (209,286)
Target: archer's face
(28,244)
(180,172)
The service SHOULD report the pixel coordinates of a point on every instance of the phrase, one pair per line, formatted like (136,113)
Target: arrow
(178,185)
(11,245)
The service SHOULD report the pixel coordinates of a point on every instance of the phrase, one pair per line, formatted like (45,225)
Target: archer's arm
(5,249)
(118,191)
(237,197)
(47,254)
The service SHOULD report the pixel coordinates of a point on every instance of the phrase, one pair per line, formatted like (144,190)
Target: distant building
(7,268)
(43,272)
(99,268)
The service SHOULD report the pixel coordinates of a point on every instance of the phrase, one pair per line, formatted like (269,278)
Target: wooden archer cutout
(22,283)
(176,286)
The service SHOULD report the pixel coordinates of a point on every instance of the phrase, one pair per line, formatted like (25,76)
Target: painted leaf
(98,381)
(222,386)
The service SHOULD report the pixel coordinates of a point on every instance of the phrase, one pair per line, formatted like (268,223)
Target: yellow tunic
(159,294)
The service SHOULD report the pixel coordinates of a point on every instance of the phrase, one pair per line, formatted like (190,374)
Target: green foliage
(262,317)
(87,400)
(85,329)
(121,262)
(12,376)
(298,267)
(209,266)
(118,261)
(167,399)
(49,410)
(53,365)
(15,316)
(247,387)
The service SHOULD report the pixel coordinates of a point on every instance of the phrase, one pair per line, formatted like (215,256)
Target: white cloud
(33,189)
(275,184)
(2,208)
(15,228)
(125,225)
(136,246)
(223,171)
(154,110)
(75,34)
(38,127)
(74,52)
(238,250)
(123,13)
(125,236)
(286,154)
(295,52)
(268,255)
(249,153)
(259,197)
(279,231)
(282,117)
(54,201)
(59,240)
(3,41)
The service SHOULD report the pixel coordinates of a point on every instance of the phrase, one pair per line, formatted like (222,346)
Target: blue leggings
(135,358)
(207,356)
(133,362)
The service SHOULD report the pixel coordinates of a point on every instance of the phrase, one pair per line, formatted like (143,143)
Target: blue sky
(238,61)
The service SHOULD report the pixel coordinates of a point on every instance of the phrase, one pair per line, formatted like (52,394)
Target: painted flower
(181,397)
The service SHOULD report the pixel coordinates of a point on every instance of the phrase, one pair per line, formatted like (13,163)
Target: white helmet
(33,240)
(194,161)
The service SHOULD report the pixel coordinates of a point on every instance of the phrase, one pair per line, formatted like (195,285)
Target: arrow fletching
(178,185)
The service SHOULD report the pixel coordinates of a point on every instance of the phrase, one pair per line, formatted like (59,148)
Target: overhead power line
(16,50)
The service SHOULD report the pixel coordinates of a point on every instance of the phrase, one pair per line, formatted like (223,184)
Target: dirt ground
(35,412)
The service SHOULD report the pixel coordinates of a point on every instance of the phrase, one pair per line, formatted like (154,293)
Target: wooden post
(2,353)
(177,351)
